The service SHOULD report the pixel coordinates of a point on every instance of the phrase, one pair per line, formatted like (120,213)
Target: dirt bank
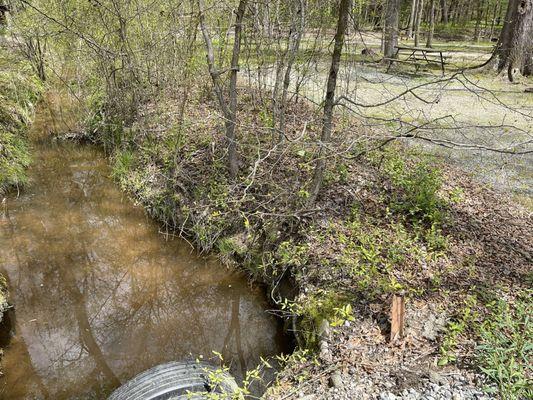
(388,222)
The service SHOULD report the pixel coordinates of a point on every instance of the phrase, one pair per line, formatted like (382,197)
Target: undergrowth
(504,334)
(19,92)
(392,238)
(505,349)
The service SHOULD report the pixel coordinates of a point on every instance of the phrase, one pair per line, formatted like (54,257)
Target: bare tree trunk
(35,50)
(232,145)
(187,72)
(503,48)
(392,16)
(522,43)
(329,103)
(412,19)
(429,42)
(293,52)
(229,112)
(494,16)
(419,12)
(444,9)
(479,16)
(515,45)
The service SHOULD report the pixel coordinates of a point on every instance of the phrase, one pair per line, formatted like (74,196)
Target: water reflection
(100,296)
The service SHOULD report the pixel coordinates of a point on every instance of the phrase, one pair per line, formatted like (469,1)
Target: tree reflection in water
(100,296)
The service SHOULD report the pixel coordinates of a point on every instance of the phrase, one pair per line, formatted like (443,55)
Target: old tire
(175,381)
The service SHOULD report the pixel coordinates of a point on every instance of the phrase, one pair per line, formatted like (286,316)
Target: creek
(100,295)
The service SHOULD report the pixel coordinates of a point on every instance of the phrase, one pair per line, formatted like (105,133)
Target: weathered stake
(397,317)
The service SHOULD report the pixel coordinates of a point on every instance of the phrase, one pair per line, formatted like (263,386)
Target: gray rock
(335,380)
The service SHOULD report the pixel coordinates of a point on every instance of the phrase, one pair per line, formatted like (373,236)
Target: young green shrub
(457,327)
(321,306)
(416,189)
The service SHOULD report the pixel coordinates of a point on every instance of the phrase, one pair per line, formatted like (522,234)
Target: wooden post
(397,317)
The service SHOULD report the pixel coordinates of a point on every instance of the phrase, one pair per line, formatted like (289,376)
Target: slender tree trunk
(431,31)
(229,112)
(444,11)
(419,12)
(232,145)
(327,125)
(392,16)
(479,17)
(412,18)
(293,52)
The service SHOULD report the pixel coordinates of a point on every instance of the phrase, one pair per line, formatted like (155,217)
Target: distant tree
(444,11)
(479,15)
(392,17)
(429,42)
(228,106)
(418,20)
(412,18)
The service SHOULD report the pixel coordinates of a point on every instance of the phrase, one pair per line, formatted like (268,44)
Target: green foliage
(14,159)
(505,340)
(417,188)
(266,118)
(374,256)
(456,195)
(322,305)
(122,164)
(456,328)
(231,246)
(289,253)
(222,386)
(506,346)
(19,91)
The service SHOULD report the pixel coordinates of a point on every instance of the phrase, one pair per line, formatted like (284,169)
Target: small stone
(335,380)
(324,329)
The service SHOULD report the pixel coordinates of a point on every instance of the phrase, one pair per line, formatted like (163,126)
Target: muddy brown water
(100,295)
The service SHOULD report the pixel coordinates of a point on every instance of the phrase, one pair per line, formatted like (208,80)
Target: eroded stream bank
(99,295)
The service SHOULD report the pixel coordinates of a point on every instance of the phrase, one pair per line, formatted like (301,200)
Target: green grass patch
(506,346)
(504,334)
(19,92)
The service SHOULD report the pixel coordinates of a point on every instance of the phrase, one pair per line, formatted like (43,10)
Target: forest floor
(389,222)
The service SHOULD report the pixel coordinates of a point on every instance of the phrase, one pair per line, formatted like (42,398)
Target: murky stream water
(99,294)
